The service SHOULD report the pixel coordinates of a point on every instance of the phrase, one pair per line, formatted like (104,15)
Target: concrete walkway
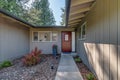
(67,69)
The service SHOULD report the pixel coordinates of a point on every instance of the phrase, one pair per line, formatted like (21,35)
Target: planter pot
(54,50)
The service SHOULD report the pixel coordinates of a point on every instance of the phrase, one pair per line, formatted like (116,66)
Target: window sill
(82,39)
(43,41)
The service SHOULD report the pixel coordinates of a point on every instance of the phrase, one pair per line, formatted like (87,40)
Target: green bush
(90,76)
(5,64)
(77,60)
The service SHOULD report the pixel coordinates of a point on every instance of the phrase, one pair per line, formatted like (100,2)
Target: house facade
(19,39)
(100,49)
(14,38)
(95,39)
(47,37)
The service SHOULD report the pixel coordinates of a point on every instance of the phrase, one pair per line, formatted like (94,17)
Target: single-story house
(93,32)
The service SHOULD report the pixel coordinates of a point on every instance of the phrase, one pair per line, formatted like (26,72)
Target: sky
(56,6)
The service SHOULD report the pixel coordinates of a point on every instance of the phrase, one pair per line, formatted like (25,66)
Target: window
(54,36)
(35,36)
(66,37)
(45,36)
(82,30)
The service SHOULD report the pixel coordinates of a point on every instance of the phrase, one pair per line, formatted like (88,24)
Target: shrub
(77,60)
(5,64)
(90,76)
(32,58)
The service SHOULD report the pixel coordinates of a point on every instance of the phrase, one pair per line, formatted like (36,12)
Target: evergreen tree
(11,6)
(33,16)
(63,22)
(46,16)
(38,14)
(14,7)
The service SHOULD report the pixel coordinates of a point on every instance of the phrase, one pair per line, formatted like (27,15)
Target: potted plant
(54,49)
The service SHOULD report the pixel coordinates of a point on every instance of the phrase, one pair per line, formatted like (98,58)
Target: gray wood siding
(113,39)
(100,51)
(14,39)
(118,39)
(0,43)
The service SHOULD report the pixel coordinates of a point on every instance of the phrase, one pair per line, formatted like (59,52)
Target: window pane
(80,33)
(66,37)
(44,36)
(83,31)
(54,36)
(35,36)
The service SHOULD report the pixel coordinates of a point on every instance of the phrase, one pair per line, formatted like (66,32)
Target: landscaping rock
(41,71)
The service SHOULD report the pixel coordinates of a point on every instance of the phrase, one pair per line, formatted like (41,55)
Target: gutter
(68,3)
(14,17)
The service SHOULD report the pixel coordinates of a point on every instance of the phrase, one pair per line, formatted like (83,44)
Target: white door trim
(73,41)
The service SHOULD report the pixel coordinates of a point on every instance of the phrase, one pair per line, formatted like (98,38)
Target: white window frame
(81,34)
(52,36)
(45,31)
(51,32)
(33,36)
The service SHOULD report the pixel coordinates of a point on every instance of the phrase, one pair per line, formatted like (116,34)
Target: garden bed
(41,71)
(85,72)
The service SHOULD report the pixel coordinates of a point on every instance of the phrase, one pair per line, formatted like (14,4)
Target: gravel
(41,71)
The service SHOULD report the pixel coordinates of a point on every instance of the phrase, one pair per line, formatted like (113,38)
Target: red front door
(66,41)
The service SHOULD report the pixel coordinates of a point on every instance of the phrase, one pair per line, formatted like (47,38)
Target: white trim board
(73,41)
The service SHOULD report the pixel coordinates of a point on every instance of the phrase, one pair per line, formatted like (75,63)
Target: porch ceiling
(78,10)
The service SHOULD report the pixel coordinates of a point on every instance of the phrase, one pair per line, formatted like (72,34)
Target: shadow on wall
(101,49)
(102,59)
